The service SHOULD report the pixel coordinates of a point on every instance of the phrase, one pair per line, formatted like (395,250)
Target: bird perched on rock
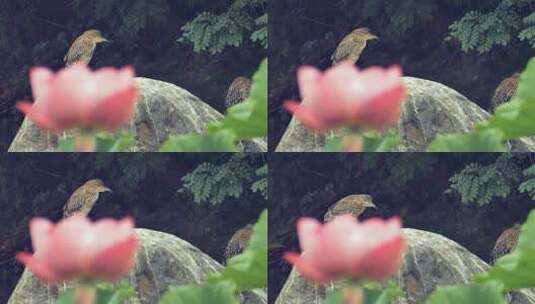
(505,91)
(238,91)
(506,242)
(238,242)
(352,46)
(83,47)
(84,198)
(352,204)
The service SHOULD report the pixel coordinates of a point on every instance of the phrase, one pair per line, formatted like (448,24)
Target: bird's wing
(75,202)
(342,50)
(80,50)
(346,48)
(500,249)
(237,93)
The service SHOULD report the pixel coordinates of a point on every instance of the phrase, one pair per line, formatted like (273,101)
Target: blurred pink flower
(77,248)
(345,96)
(346,248)
(79,97)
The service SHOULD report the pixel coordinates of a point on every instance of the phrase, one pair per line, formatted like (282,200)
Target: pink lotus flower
(345,96)
(77,248)
(78,97)
(345,248)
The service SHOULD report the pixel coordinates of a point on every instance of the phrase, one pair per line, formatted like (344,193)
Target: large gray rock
(163,110)
(430,260)
(431,108)
(163,260)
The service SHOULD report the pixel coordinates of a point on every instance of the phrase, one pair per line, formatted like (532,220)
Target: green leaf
(335,297)
(249,269)
(376,142)
(66,297)
(516,118)
(516,270)
(382,295)
(66,144)
(482,141)
(333,144)
(220,293)
(117,295)
(467,294)
(107,142)
(123,143)
(221,141)
(249,118)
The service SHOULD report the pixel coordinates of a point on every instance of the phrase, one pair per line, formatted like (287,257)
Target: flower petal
(115,262)
(39,268)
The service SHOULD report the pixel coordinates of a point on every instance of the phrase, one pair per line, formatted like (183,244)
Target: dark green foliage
(261,185)
(509,176)
(212,32)
(495,24)
(213,184)
(479,183)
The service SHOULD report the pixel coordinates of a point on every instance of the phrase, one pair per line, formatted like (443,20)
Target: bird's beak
(373,37)
(371,205)
(105,189)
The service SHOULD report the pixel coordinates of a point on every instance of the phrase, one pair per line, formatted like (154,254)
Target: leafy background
(164,192)
(468,45)
(199,45)
(469,198)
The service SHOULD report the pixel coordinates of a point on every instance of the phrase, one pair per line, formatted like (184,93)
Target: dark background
(144,186)
(412,186)
(308,31)
(143,34)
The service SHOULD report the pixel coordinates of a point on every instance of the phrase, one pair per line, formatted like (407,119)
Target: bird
(83,48)
(353,204)
(84,198)
(505,91)
(506,243)
(352,46)
(238,242)
(238,91)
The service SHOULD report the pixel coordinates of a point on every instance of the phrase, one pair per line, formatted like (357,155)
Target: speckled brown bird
(84,198)
(352,204)
(238,91)
(83,48)
(352,46)
(506,243)
(505,91)
(238,242)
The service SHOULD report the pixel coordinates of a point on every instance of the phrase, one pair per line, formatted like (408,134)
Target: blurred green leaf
(220,293)
(333,144)
(516,270)
(249,118)
(107,142)
(66,297)
(66,144)
(467,294)
(108,294)
(482,141)
(123,143)
(334,297)
(249,269)
(221,141)
(377,142)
